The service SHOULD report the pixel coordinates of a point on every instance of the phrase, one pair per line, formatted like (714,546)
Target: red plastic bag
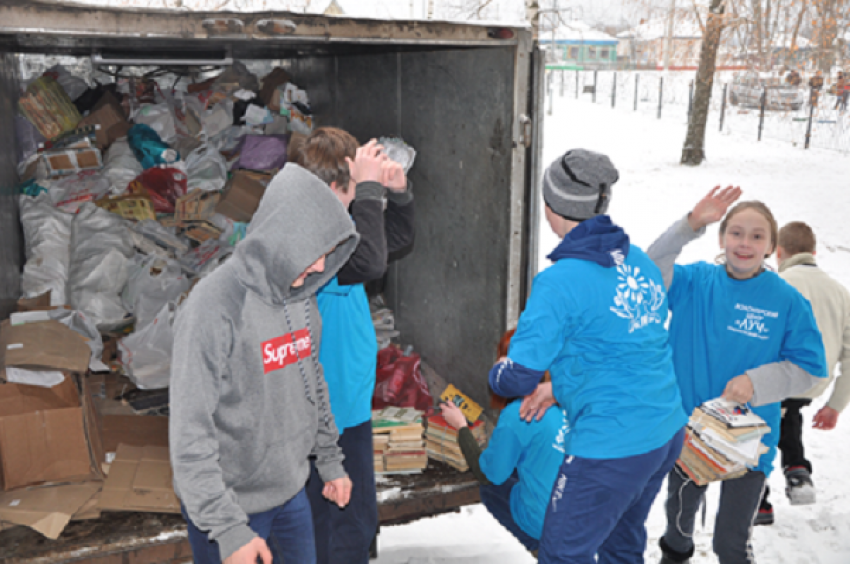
(399,381)
(163,185)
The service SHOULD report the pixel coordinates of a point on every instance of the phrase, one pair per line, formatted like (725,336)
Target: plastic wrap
(120,167)
(149,148)
(206,169)
(399,381)
(47,234)
(101,248)
(71,192)
(153,282)
(146,354)
(399,151)
(261,152)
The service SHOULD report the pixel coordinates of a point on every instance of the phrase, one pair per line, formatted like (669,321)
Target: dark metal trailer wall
(457,95)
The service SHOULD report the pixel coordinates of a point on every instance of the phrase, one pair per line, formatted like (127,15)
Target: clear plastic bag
(146,354)
(47,236)
(71,192)
(206,169)
(158,117)
(101,249)
(73,86)
(206,257)
(153,282)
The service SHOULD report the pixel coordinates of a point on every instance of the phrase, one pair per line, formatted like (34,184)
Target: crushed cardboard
(45,345)
(241,197)
(140,479)
(47,509)
(47,435)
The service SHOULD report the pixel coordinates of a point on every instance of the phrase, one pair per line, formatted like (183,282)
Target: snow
(653,191)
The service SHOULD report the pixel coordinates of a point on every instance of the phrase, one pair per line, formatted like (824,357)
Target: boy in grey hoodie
(249,402)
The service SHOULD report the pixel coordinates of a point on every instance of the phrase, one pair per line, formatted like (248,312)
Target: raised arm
(711,209)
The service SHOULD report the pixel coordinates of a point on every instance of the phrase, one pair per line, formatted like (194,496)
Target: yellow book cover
(471,410)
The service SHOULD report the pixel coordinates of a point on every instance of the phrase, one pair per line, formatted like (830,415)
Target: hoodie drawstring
(323,406)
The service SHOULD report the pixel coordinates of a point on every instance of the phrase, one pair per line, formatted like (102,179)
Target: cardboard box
(71,161)
(37,303)
(48,435)
(134,430)
(43,345)
(109,114)
(48,509)
(241,197)
(140,479)
(196,205)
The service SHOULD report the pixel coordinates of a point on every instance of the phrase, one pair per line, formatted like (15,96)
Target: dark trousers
(599,507)
(288,531)
(345,534)
(739,502)
(497,500)
(790,440)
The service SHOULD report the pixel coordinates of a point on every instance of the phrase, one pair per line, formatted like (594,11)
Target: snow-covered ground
(653,191)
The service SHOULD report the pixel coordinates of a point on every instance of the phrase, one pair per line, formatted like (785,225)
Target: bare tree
(693,152)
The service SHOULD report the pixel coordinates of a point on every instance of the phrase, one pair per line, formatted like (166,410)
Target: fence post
(576,84)
(660,94)
(690,98)
(761,112)
(723,106)
(637,81)
(614,92)
(562,72)
(811,116)
(549,91)
(595,82)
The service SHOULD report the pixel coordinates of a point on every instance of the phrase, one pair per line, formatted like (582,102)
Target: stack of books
(722,440)
(441,441)
(397,438)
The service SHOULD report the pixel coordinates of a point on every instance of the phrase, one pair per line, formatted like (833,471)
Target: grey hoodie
(248,406)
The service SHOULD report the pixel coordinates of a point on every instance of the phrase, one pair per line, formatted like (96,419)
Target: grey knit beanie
(578,185)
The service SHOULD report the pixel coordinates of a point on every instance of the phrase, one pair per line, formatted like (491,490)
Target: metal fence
(669,95)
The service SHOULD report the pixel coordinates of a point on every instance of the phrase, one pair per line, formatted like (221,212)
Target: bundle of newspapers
(723,439)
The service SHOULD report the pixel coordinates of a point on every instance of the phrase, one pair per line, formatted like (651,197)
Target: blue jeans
(344,535)
(287,529)
(497,500)
(599,506)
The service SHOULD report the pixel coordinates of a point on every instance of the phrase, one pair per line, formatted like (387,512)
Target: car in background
(748,88)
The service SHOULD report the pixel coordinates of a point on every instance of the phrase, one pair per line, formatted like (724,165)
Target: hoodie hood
(596,240)
(298,220)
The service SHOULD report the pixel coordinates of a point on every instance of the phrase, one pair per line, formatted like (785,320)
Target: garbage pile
(132,192)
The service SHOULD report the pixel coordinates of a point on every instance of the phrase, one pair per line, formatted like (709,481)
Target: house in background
(645,45)
(575,45)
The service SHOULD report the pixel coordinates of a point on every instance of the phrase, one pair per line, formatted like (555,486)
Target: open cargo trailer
(466,97)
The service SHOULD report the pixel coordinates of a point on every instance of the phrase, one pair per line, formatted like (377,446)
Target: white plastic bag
(146,354)
(218,118)
(73,86)
(206,257)
(152,283)
(47,236)
(120,166)
(159,118)
(206,169)
(101,248)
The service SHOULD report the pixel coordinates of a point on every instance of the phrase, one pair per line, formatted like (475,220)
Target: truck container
(467,97)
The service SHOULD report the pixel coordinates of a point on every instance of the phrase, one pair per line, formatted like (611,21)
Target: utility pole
(668,41)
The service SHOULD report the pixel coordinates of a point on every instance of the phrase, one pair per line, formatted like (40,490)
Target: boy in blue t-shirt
(595,320)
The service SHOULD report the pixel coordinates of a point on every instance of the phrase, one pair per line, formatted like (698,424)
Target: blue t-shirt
(722,327)
(349,352)
(600,333)
(536,451)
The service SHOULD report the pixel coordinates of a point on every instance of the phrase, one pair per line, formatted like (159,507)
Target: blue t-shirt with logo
(349,352)
(600,333)
(535,450)
(721,327)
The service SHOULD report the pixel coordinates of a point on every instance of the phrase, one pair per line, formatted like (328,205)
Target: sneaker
(799,487)
(764,516)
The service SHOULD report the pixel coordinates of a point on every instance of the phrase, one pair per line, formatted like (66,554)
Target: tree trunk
(693,152)
(793,48)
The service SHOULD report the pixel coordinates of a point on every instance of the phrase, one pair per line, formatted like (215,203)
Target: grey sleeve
(667,248)
(841,393)
(196,370)
(777,381)
(329,456)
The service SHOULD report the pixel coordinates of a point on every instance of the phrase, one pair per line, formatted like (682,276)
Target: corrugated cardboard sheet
(46,509)
(140,480)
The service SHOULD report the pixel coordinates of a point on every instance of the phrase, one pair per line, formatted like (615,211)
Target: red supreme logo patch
(281,351)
